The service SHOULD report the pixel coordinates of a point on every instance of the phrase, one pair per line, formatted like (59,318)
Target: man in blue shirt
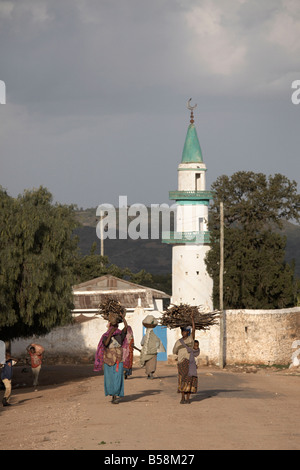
(6,376)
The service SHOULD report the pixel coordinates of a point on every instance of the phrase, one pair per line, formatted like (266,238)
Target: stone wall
(251,337)
(261,336)
(264,337)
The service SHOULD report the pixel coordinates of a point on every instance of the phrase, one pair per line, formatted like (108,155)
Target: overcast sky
(96,93)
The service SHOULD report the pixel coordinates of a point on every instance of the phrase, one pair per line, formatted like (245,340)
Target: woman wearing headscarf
(109,356)
(187,384)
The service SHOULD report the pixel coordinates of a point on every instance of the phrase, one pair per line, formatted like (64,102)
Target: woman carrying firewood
(184,349)
(110,356)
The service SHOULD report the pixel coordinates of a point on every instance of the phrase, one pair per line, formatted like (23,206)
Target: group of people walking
(114,356)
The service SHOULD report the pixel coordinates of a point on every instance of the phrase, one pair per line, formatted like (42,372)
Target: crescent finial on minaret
(191,108)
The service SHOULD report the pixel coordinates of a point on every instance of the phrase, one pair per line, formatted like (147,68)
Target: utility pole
(2,92)
(101,236)
(5,346)
(221,357)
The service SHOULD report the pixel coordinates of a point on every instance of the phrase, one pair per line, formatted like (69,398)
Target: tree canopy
(255,272)
(37,253)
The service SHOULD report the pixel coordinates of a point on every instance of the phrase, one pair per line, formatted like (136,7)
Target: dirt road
(232,410)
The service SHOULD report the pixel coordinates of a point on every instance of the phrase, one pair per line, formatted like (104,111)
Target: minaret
(191,282)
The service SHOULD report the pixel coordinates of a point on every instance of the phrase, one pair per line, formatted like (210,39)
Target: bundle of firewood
(178,316)
(111,306)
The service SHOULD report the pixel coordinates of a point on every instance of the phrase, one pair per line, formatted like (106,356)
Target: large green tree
(255,272)
(37,253)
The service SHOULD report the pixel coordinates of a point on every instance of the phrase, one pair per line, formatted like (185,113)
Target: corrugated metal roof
(88,295)
(109,282)
(128,299)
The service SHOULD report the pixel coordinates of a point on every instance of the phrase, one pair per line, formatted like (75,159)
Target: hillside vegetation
(152,255)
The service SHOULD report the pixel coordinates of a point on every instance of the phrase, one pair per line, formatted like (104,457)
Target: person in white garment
(151,346)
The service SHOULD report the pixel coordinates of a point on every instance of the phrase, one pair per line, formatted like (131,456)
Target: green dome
(191,150)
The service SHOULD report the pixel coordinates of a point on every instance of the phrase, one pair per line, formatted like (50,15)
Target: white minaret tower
(191,283)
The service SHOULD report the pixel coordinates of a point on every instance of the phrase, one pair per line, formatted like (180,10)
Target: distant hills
(154,256)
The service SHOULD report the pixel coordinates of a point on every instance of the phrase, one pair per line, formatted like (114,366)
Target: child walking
(35,352)
(6,377)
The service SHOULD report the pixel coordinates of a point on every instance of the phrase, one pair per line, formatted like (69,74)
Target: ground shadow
(52,375)
(205,394)
(156,377)
(138,396)
(21,402)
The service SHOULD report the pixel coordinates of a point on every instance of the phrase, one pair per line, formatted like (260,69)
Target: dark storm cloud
(97,91)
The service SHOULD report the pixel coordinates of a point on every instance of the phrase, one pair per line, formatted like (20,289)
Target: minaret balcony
(186,237)
(191,195)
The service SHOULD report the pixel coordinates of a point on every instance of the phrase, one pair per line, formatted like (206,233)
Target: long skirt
(114,380)
(186,383)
